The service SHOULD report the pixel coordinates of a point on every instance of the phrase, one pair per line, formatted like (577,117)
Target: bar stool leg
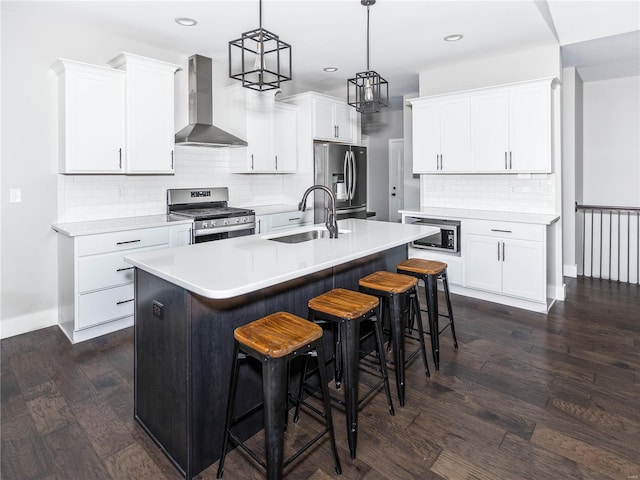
(274,378)
(350,354)
(327,402)
(415,313)
(303,376)
(383,364)
(431,285)
(230,401)
(445,283)
(397,334)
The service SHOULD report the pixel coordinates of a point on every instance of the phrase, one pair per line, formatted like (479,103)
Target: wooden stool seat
(343,303)
(278,334)
(388,282)
(424,267)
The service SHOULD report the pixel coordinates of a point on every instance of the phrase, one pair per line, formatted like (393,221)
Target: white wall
(612,142)
(411,181)
(379,128)
(571,164)
(29,129)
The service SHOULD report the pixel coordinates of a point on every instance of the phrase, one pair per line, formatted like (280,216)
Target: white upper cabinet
(334,120)
(505,129)
(270,129)
(116,120)
(511,129)
(91,118)
(441,135)
(149,113)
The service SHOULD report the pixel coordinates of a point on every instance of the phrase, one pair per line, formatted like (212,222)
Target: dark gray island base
(183,356)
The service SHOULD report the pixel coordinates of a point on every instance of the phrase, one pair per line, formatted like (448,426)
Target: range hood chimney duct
(201,132)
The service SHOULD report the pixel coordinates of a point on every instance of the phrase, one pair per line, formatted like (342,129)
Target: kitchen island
(190,299)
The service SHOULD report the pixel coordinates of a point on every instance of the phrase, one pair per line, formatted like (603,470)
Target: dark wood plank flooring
(526,396)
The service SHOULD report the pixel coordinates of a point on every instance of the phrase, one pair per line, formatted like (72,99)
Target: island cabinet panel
(183,358)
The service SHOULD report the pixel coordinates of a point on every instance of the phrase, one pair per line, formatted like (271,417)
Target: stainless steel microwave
(447,238)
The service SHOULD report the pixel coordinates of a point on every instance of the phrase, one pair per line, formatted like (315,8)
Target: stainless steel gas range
(212,218)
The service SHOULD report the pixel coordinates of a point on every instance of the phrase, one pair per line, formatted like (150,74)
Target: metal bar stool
(348,309)
(399,300)
(274,341)
(430,272)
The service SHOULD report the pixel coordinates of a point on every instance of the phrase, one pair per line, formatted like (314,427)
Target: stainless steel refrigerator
(342,168)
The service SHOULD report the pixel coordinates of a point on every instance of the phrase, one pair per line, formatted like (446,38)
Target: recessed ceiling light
(330,69)
(453,37)
(186,22)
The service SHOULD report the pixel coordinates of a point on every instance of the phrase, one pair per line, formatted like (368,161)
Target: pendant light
(367,91)
(259,59)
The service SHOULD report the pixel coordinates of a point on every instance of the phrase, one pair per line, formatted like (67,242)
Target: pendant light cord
(367,37)
(260,15)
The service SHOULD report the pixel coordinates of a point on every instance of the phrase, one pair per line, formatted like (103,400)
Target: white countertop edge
(92,227)
(220,294)
(492,215)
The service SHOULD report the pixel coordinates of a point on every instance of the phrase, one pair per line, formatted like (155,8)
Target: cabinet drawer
(105,305)
(291,219)
(105,270)
(125,240)
(522,231)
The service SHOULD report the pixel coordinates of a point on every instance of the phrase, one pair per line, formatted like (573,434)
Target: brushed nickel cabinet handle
(127,241)
(125,301)
(124,269)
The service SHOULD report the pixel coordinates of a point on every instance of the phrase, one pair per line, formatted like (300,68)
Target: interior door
(396,176)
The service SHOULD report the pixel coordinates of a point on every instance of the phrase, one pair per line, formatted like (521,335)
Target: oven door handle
(226,229)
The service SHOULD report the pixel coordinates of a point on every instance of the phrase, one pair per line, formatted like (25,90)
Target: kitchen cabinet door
(92,118)
(530,129)
(455,136)
(482,265)
(523,269)
(285,138)
(344,118)
(149,113)
(441,136)
(511,129)
(490,131)
(334,121)
(504,265)
(426,138)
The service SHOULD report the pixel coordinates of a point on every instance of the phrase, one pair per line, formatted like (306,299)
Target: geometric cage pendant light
(367,91)
(260,59)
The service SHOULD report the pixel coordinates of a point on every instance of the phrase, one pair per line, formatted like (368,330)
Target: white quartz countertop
(92,227)
(235,266)
(458,213)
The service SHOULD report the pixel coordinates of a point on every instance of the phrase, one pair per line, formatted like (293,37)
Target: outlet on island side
(157,309)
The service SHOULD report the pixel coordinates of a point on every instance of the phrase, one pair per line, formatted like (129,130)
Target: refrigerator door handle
(354,176)
(345,173)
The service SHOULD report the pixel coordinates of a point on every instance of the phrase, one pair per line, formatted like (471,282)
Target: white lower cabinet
(500,259)
(95,284)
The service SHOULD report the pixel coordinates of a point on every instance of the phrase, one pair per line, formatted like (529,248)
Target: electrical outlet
(157,309)
(15,195)
(121,191)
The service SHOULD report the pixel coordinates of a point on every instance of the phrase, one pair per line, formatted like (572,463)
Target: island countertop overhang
(236,266)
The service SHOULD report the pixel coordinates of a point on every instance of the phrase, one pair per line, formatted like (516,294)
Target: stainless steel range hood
(200,131)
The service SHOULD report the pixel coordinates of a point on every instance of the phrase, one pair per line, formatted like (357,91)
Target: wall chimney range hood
(200,131)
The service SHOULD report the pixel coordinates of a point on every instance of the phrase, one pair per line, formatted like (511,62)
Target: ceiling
(601,37)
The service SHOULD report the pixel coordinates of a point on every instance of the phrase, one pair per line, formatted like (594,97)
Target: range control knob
(205,224)
(213,224)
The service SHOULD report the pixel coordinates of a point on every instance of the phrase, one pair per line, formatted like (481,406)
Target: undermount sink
(305,236)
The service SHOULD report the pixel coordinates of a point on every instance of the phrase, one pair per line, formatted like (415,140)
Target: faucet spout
(332,219)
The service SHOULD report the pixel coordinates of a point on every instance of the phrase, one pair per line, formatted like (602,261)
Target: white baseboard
(570,270)
(29,322)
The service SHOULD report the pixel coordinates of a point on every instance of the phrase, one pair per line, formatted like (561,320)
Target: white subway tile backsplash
(96,197)
(531,194)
